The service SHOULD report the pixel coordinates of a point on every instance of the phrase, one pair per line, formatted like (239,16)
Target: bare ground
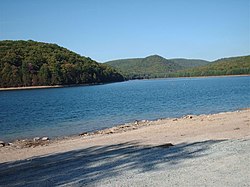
(208,150)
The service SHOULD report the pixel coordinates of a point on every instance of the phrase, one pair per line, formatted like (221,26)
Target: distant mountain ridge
(189,63)
(225,66)
(153,66)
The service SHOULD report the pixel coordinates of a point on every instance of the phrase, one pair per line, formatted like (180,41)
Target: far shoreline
(212,76)
(30,87)
(47,87)
(92,84)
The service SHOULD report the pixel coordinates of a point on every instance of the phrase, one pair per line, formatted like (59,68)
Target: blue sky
(114,29)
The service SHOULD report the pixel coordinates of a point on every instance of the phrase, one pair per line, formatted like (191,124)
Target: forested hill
(153,66)
(224,66)
(189,63)
(30,63)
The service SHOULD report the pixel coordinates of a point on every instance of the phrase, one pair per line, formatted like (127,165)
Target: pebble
(111,132)
(45,138)
(36,139)
(84,134)
(2,144)
(188,117)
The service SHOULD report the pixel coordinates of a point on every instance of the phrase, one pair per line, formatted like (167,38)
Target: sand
(29,87)
(207,149)
(229,125)
(46,87)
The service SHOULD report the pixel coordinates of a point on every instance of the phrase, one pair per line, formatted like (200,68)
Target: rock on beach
(2,143)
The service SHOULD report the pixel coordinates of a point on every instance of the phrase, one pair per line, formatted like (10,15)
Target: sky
(114,29)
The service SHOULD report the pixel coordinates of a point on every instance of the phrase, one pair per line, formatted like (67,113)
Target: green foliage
(158,67)
(225,66)
(152,66)
(30,63)
(189,63)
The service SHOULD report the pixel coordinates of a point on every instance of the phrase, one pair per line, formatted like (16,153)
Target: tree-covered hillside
(224,66)
(159,67)
(30,63)
(152,66)
(189,63)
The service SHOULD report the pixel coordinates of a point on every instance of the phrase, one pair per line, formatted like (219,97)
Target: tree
(26,77)
(69,73)
(55,73)
(26,63)
(44,75)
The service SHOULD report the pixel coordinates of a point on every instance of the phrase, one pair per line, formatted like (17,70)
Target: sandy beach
(30,87)
(46,87)
(141,153)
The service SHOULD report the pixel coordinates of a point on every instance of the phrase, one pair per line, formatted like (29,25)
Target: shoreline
(79,85)
(215,76)
(128,126)
(188,128)
(212,76)
(30,88)
(47,87)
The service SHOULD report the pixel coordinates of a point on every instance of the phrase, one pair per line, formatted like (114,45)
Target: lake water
(67,111)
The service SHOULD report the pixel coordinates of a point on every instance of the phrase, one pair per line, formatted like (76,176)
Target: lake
(72,110)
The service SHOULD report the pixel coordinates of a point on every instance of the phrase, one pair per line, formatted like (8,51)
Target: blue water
(68,111)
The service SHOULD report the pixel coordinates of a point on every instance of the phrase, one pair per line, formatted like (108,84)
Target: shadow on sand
(90,165)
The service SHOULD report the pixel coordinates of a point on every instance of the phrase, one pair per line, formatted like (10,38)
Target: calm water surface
(67,111)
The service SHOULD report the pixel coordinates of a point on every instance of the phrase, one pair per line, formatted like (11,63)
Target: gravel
(206,163)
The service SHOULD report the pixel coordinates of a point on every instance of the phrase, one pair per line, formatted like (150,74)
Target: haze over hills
(30,63)
(153,66)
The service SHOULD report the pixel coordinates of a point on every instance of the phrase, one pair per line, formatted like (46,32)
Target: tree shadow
(90,165)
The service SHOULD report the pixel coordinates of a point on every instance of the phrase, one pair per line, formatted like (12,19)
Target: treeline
(30,63)
(153,66)
(225,66)
(149,67)
(132,76)
(158,67)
